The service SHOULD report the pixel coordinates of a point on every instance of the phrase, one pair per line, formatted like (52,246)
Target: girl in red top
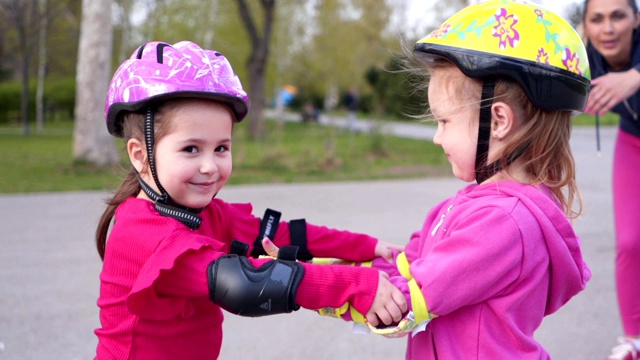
(167,269)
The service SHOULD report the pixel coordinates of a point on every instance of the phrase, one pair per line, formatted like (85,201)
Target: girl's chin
(196,204)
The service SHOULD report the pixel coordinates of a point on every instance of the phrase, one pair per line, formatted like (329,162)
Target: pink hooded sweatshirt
(492,262)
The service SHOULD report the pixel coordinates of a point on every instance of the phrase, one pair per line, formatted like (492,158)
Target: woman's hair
(632,4)
(133,128)
(548,157)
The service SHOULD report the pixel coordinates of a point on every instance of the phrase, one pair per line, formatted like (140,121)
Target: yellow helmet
(518,40)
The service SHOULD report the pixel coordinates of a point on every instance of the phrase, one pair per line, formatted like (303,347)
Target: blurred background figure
(351,103)
(613,46)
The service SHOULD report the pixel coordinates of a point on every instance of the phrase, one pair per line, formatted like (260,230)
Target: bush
(59,98)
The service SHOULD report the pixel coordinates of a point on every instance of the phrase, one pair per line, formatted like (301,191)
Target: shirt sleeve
(323,241)
(477,259)
(321,285)
(335,285)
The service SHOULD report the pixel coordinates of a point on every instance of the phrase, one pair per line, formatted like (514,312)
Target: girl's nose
(209,165)
(437,137)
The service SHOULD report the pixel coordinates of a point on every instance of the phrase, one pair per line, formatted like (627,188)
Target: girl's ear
(502,120)
(137,154)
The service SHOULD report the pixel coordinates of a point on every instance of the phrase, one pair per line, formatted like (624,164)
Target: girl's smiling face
(193,160)
(456,112)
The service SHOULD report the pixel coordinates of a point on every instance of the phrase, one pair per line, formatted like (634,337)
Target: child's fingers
(395,312)
(400,301)
(269,247)
(384,274)
(396,247)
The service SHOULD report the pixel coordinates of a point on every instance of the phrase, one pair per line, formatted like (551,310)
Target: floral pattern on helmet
(514,29)
(505,30)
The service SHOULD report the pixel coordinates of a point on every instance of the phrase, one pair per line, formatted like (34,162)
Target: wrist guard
(238,287)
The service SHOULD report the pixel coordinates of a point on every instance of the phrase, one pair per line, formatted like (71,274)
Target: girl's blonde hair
(542,138)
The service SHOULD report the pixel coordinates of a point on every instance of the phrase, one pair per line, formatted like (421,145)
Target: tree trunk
(257,63)
(24,98)
(256,94)
(91,140)
(42,65)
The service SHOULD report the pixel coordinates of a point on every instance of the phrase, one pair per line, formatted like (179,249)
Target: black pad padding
(238,287)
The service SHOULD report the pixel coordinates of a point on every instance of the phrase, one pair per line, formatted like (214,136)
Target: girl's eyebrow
(200,140)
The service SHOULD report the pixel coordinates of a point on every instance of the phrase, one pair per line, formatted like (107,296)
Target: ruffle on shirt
(143,300)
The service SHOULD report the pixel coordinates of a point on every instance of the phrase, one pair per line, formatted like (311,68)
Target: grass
(295,153)
(608,119)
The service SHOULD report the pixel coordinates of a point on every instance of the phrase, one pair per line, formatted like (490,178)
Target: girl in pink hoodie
(490,262)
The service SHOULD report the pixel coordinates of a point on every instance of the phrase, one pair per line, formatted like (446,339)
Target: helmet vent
(140,50)
(159,52)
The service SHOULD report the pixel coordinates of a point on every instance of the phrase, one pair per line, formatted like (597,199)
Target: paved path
(49,268)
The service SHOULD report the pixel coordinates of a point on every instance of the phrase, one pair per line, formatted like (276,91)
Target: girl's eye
(190,149)
(222,148)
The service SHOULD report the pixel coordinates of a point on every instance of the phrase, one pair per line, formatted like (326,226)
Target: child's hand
(389,304)
(269,247)
(385,250)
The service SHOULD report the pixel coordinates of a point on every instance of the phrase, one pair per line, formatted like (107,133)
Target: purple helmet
(158,71)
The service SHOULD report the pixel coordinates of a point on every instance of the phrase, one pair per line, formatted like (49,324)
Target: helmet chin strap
(483,170)
(162,202)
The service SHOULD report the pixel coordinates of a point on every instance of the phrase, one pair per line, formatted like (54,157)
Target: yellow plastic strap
(325,261)
(403,265)
(356,316)
(366,264)
(418,304)
(334,312)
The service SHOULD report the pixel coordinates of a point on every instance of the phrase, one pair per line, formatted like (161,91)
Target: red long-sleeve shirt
(154,296)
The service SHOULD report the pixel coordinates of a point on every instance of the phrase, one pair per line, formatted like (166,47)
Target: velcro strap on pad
(298,232)
(268,229)
(288,253)
(238,247)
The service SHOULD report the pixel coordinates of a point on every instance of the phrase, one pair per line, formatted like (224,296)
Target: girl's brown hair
(132,128)
(548,157)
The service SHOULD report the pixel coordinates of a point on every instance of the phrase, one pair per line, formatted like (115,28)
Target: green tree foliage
(340,40)
(393,92)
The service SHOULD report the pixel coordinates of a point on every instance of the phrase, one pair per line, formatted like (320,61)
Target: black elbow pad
(242,289)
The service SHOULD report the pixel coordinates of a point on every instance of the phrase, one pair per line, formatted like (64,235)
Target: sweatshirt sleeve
(484,247)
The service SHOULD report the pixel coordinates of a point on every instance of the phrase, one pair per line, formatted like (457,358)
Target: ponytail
(130,187)
(133,127)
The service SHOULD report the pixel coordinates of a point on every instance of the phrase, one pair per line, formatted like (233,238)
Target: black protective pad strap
(298,232)
(268,228)
(238,247)
(238,287)
(289,253)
